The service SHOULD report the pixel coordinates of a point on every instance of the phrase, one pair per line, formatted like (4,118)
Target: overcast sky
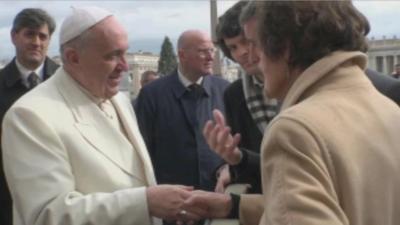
(153,20)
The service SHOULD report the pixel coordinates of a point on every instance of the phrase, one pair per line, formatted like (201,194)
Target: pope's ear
(71,55)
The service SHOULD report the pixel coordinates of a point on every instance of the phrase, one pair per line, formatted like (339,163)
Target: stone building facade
(138,63)
(383,54)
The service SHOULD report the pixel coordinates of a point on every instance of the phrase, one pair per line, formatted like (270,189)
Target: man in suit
(73,153)
(31,33)
(172,110)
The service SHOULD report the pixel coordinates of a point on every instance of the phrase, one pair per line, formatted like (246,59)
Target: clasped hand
(185,205)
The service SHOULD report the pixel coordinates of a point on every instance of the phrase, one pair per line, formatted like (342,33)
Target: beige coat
(66,164)
(332,156)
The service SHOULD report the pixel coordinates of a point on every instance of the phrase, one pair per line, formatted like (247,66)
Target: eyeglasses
(203,52)
(210,51)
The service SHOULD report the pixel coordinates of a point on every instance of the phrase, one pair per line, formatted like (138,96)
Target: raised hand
(219,138)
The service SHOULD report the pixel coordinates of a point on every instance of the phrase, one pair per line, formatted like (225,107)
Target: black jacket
(238,117)
(385,84)
(178,150)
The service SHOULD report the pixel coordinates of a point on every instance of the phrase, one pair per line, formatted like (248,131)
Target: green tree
(167,62)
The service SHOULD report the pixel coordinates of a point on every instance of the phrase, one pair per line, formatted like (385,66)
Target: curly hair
(229,27)
(310,30)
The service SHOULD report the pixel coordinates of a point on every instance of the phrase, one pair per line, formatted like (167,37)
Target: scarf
(262,109)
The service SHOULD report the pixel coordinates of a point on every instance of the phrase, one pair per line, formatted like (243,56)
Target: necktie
(33,80)
(196,91)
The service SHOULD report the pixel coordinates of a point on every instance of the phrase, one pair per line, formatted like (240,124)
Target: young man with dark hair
(31,33)
(248,111)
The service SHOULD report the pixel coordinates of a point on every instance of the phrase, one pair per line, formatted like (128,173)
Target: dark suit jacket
(385,84)
(238,117)
(179,152)
(11,88)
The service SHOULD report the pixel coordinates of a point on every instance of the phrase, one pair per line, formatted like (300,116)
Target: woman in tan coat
(332,156)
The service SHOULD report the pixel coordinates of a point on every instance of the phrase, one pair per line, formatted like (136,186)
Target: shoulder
(9,75)
(158,86)
(11,67)
(234,91)
(217,80)
(215,84)
(235,87)
(312,115)
(43,102)
(156,92)
(3,73)
(294,132)
(50,65)
(386,85)
(380,81)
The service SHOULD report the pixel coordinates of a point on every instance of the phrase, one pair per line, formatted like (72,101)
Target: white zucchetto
(80,20)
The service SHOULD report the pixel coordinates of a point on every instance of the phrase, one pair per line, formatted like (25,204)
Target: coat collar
(128,120)
(319,70)
(87,116)
(179,89)
(13,76)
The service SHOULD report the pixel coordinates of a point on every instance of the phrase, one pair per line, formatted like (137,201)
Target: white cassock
(66,163)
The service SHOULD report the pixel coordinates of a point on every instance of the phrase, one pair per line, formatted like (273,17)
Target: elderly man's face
(31,45)
(103,60)
(198,56)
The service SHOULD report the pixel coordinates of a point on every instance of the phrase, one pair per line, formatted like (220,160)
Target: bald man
(172,110)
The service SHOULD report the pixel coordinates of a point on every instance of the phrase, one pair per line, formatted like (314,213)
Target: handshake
(185,205)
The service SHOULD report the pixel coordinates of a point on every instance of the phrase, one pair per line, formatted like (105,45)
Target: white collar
(186,82)
(25,72)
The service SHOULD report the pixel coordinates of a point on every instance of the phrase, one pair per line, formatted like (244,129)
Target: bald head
(196,54)
(190,38)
